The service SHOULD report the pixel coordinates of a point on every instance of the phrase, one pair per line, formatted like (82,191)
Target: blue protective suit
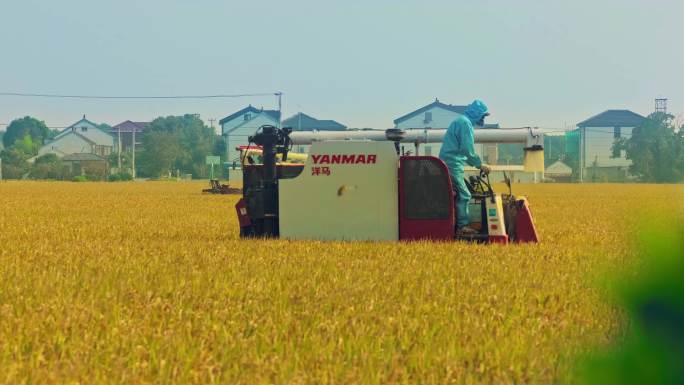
(458,149)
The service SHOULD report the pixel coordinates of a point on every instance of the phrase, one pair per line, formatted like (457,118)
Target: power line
(62,96)
(54,127)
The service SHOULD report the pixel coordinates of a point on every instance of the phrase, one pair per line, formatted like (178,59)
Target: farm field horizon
(149,282)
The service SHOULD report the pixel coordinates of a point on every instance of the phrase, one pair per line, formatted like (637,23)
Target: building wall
(127,141)
(98,136)
(239,136)
(441,118)
(66,144)
(227,126)
(91,132)
(78,126)
(598,143)
(88,167)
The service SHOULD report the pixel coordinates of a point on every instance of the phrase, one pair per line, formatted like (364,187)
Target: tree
(14,165)
(177,143)
(162,151)
(19,129)
(26,145)
(656,150)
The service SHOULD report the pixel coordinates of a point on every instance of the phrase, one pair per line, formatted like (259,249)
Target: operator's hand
(485,169)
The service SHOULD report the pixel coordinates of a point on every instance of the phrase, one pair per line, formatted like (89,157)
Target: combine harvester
(355,186)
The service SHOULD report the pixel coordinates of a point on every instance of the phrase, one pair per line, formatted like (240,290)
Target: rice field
(149,283)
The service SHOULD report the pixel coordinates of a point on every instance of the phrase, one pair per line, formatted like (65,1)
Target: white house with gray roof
(82,137)
(434,115)
(438,115)
(239,126)
(598,160)
(303,122)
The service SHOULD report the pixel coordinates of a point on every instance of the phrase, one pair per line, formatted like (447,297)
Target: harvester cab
(363,189)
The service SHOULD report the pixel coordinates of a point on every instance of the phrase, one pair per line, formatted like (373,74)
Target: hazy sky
(363,63)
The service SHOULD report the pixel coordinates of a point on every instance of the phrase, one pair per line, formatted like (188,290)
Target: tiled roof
(436,103)
(614,118)
(304,122)
(79,157)
(87,139)
(272,113)
(129,126)
(84,120)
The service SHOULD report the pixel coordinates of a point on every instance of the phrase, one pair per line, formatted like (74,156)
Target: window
(84,129)
(247,116)
(428,117)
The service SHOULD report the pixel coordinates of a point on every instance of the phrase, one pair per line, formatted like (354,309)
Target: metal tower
(661,105)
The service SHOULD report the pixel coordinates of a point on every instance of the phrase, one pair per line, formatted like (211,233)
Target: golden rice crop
(149,283)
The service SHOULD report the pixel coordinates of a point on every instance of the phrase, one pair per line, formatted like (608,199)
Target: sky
(363,63)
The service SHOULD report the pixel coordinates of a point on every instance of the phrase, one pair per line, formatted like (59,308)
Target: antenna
(279,96)
(507,180)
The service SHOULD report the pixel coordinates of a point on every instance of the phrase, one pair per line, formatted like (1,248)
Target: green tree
(26,145)
(19,129)
(177,142)
(656,150)
(162,151)
(14,165)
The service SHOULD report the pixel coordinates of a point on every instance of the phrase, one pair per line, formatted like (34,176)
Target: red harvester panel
(243,218)
(426,200)
(524,225)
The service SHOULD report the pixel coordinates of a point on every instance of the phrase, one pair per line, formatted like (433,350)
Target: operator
(458,149)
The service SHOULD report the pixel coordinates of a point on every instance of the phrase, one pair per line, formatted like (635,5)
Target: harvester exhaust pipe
(272,141)
(267,139)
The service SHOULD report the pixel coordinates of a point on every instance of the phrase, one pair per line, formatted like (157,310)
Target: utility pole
(119,148)
(133,155)
(279,95)
(582,133)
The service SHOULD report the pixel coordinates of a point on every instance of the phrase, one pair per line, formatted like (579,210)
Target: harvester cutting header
(356,186)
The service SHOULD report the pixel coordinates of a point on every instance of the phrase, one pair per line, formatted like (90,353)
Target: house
(559,172)
(124,132)
(83,136)
(598,160)
(237,127)
(85,163)
(438,115)
(304,122)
